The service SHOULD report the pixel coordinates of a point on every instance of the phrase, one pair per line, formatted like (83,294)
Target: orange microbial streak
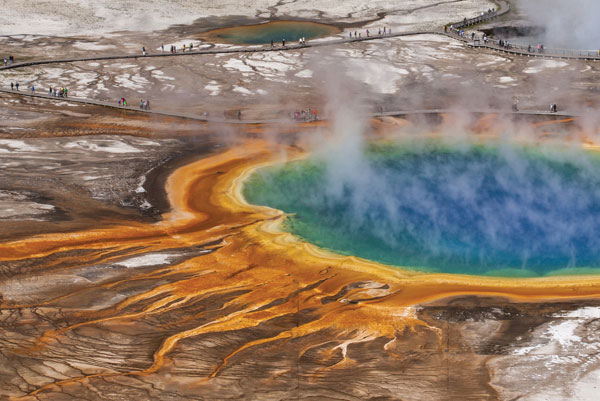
(262,275)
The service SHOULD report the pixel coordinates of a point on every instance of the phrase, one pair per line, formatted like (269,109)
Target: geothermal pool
(499,210)
(276,31)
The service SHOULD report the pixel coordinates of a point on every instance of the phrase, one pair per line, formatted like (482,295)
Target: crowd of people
(173,48)
(380,32)
(502,43)
(144,104)
(305,115)
(58,92)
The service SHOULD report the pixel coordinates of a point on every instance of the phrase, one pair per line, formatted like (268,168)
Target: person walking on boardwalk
(12,86)
(283,42)
(32,89)
(144,50)
(50,92)
(17,85)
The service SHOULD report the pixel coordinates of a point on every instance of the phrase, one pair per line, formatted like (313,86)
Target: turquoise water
(480,210)
(291,31)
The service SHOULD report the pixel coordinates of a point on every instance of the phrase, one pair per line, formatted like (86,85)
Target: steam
(567,24)
(453,202)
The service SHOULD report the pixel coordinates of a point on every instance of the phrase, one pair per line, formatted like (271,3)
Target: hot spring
(275,31)
(495,209)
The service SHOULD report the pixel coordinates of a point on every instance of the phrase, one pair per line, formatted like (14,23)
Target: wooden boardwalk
(208,119)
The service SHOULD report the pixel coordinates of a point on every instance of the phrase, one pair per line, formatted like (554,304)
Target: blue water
(481,210)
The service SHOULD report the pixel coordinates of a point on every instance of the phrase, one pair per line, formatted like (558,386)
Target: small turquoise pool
(495,210)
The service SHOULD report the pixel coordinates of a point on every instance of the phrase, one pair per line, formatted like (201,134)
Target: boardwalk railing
(545,52)
(526,51)
(476,20)
(486,16)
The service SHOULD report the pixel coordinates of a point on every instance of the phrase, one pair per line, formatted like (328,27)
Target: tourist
(191,47)
(12,86)
(5,61)
(17,85)
(271,43)
(11,59)
(147,107)
(162,48)
(283,43)
(120,101)
(32,89)
(141,104)
(367,33)
(184,47)
(50,92)
(239,114)
(143,50)
(529,48)
(66,92)
(124,102)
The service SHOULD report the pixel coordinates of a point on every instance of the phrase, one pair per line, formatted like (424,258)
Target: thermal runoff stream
(495,209)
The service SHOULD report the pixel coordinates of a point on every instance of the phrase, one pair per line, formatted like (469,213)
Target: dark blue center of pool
(483,210)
